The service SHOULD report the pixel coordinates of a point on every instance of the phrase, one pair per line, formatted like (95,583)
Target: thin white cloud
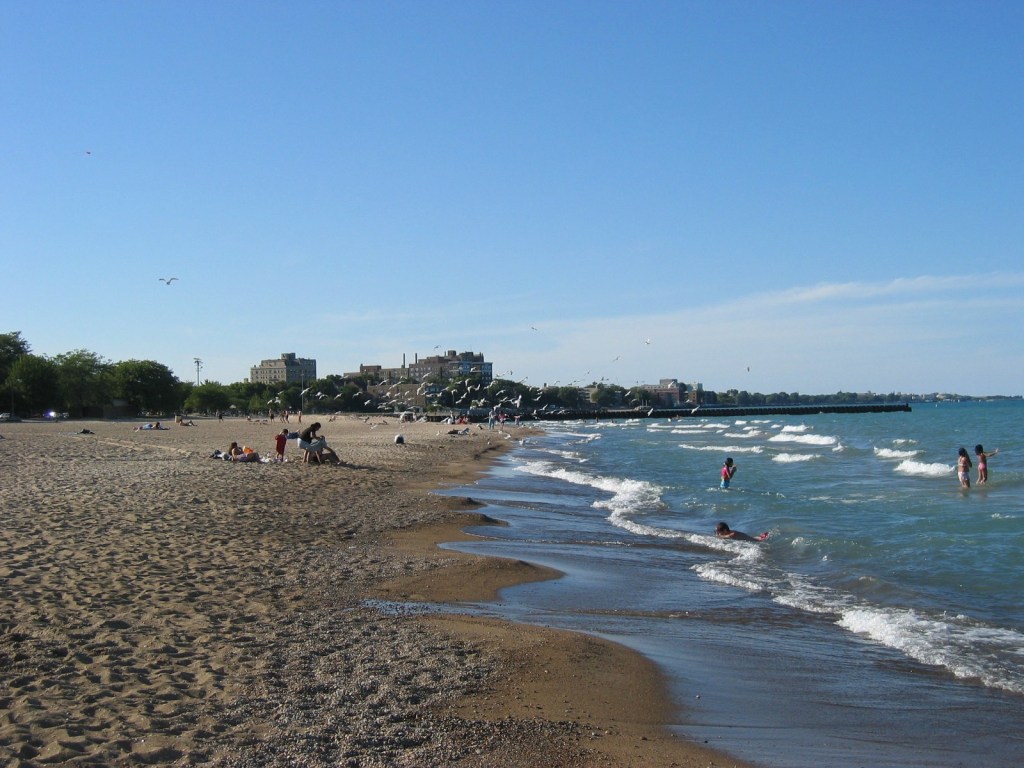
(910,334)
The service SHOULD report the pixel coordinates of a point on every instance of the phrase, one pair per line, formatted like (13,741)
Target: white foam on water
(922,469)
(720,575)
(966,648)
(892,453)
(628,497)
(723,448)
(790,458)
(788,437)
(569,455)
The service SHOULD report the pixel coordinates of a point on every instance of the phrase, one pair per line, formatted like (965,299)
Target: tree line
(84,384)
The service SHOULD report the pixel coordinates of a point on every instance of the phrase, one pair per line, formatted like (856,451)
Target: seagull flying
(168,280)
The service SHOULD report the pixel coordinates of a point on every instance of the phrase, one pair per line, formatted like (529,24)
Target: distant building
(287,369)
(668,393)
(445,367)
(452,366)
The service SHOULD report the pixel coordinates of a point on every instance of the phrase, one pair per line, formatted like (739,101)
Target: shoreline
(615,700)
(167,608)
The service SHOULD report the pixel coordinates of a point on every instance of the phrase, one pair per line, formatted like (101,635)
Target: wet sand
(162,607)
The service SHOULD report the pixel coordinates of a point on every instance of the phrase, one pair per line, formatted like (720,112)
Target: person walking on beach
(728,471)
(723,531)
(963,468)
(983,458)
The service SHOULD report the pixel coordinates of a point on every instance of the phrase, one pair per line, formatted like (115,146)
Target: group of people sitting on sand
(236,452)
(314,447)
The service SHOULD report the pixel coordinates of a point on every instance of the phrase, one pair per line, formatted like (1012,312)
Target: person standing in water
(983,458)
(963,468)
(728,471)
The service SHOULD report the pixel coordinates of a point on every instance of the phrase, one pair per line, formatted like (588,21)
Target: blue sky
(781,196)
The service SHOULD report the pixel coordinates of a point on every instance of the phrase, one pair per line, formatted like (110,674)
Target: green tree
(244,394)
(350,398)
(84,380)
(33,381)
(148,386)
(12,346)
(608,396)
(570,397)
(208,397)
(638,397)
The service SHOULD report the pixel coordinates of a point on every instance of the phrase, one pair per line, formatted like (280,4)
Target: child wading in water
(963,468)
(983,458)
(728,470)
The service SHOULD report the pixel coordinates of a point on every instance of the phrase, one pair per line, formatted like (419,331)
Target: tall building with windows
(440,367)
(287,369)
(452,366)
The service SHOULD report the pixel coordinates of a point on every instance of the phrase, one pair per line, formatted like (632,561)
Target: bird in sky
(647,341)
(168,280)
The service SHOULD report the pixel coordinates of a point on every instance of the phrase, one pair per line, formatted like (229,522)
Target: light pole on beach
(199,367)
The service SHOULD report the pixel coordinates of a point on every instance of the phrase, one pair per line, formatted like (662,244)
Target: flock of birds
(398,394)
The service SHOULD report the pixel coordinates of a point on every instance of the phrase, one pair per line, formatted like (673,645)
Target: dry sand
(162,607)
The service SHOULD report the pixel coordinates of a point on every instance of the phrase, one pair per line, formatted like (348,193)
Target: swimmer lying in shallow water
(723,531)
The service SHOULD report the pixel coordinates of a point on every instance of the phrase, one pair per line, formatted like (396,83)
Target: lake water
(881,623)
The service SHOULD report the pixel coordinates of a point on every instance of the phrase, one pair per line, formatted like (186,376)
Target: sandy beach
(162,607)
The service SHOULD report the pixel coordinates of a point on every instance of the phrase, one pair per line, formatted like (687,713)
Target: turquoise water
(881,622)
